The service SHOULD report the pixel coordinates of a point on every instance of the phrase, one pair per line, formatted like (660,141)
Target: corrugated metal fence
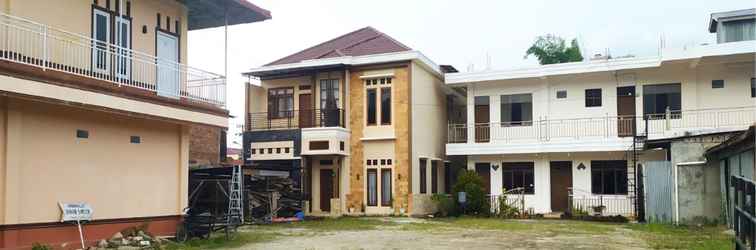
(659,187)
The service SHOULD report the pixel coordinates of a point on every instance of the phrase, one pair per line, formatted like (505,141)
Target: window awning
(205,14)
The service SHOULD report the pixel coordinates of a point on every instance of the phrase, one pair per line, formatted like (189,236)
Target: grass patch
(219,241)
(660,236)
(338,224)
(553,226)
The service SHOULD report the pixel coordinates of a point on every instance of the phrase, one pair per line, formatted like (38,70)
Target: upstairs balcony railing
(293,119)
(544,130)
(30,43)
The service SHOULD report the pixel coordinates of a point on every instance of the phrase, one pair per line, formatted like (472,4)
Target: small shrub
(470,183)
(445,203)
(38,246)
(506,210)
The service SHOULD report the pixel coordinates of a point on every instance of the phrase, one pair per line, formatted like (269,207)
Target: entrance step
(553,215)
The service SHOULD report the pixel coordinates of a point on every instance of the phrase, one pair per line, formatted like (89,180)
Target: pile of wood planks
(270,197)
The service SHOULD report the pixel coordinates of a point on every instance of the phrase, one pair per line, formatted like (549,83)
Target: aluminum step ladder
(235,212)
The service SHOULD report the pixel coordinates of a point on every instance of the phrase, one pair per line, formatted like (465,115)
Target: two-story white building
(573,134)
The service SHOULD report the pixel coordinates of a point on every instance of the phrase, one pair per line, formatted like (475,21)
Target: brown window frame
(423,176)
(319,145)
(371,118)
(385,106)
(612,175)
(591,100)
(434,177)
(524,170)
(384,188)
(369,191)
(274,111)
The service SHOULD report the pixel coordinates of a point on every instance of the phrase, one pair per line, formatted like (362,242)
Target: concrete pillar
(183,167)
(3,135)
(344,180)
(470,113)
(13,161)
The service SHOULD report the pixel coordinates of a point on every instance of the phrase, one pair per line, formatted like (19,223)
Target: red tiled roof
(365,41)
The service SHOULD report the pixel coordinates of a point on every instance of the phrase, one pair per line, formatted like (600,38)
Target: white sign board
(76,212)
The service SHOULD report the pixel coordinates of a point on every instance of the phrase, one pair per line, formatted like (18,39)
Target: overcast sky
(461,33)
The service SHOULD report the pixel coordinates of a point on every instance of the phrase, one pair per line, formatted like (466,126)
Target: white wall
(696,89)
(540,200)
(695,78)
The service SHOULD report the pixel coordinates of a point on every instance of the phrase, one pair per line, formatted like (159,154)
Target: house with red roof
(358,121)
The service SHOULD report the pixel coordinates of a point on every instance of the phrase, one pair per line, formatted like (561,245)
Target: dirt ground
(406,233)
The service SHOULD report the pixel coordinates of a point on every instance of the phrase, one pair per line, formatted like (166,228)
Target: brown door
(482,119)
(326,189)
(625,110)
(484,171)
(305,111)
(561,182)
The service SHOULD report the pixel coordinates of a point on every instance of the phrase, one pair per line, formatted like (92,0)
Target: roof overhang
(596,66)
(343,61)
(740,138)
(729,16)
(205,14)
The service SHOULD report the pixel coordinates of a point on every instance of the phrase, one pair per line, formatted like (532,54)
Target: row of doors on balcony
(329,113)
(103,56)
(625,108)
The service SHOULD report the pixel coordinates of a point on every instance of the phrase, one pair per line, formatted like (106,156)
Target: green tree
(551,49)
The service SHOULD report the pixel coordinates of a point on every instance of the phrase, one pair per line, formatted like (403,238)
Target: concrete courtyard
(469,233)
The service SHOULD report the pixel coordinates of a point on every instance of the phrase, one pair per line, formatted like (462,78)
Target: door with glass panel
(329,103)
(123,53)
(100,41)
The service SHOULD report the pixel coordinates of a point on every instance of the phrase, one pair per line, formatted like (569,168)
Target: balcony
(592,134)
(31,44)
(701,121)
(295,119)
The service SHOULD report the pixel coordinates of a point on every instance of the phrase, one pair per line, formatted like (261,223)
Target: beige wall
(316,167)
(428,122)
(47,164)
(34,88)
(76,16)
(258,95)
(3,159)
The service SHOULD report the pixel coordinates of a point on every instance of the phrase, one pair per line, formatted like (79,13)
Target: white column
(470,113)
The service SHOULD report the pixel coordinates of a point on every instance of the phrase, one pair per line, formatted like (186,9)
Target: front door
(561,182)
(482,119)
(306,113)
(326,189)
(625,111)
(168,67)
(484,171)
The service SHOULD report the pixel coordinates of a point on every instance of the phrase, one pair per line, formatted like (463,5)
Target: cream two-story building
(356,121)
(576,135)
(96,106)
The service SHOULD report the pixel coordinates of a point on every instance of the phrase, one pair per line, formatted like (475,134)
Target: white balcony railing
(700,120)
(544,130)
(31,43)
